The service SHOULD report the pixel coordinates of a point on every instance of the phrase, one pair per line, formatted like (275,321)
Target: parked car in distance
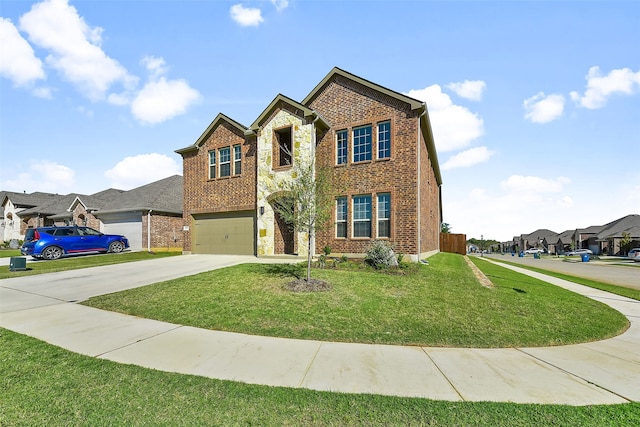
(634,254)
(533,251)
(579,252)
(55,242)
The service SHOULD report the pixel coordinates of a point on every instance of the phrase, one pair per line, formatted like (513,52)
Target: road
(625,274)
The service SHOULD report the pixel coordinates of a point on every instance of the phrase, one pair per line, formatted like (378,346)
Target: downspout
(419,183)
(149,230)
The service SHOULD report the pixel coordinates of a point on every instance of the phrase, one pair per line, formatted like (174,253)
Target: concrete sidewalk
(593,373)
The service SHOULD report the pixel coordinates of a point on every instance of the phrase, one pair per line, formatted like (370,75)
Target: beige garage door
(229,233)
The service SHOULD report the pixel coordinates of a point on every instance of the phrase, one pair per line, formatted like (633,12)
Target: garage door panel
(129,226)
(229,233)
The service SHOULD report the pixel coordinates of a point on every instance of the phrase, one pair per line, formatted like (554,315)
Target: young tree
(307,204)
(625,242)
(445,227)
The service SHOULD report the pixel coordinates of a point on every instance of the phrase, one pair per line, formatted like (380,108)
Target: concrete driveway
(44,307)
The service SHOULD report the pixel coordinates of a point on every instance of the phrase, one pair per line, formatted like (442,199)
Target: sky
(535,106)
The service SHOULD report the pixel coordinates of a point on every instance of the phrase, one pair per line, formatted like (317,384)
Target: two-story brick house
(375,143)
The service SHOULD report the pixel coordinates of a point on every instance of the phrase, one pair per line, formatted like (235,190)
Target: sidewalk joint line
(138,341)
(424,350)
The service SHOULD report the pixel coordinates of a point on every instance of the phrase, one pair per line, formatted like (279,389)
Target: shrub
(380,255)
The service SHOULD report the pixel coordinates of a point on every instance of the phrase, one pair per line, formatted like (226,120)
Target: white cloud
(468,158)
(18,61)
(543,108)
(156,66)
(132,172)
(163,99)
(246,16)
(43,175)
(623,81)
(75,48)
(454,126)
(533,184)
(469,89)
(280,4)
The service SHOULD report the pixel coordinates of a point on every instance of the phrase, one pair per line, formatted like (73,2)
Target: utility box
(17,263)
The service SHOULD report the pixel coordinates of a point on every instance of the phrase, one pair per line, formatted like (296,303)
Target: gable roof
(302,110)
(414,103)
(220,118)
(627,224)
(164,195)
(24,199)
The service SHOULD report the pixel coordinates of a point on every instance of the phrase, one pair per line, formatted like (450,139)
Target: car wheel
(52,252)
(116,247)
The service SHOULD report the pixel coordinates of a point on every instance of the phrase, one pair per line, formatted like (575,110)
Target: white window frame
(237,159)
(381,211)
(221,162)
(384,132)
(212,164)
(341,217)
(345,143)
(355,221)
(357,139)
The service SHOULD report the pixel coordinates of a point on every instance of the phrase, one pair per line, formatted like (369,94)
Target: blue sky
(535,105)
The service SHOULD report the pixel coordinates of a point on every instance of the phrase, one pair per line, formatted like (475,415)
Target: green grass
(43,385)
(6,253)
(82,261)
(437,305)
(618,290)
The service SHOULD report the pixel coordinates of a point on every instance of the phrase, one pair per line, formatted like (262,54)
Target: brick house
(375,144)
(150,215)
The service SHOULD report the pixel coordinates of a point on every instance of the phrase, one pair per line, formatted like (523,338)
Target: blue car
(55,242)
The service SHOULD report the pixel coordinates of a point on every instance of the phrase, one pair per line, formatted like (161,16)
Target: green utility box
(17,263)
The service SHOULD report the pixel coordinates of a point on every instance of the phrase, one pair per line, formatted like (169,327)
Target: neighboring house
(564,242)
(12,204)
(375,144)
(585,238)
(537,239)
(610,236)
(150,216)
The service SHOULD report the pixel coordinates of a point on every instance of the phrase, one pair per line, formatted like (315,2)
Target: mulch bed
(313,285)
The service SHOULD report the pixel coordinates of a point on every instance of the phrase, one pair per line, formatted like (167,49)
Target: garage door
(229,233)
(128,225)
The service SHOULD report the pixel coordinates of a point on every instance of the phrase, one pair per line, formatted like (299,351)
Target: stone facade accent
(270,176)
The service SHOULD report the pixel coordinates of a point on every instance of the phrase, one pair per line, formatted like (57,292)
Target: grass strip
(81,261)
(44,385)
(439,305)
(618,290)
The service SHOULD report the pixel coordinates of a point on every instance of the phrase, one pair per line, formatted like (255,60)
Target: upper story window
(283,155)
(341,147)
(384,215)
(362,216)
(362,144)
(341,217)
(225,161)
(222,165)
(384,140)
(237,159)
(212,164)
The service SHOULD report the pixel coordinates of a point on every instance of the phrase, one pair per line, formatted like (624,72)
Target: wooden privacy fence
(454,243)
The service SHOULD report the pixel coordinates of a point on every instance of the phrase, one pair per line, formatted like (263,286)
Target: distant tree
(307,204)
(445,227)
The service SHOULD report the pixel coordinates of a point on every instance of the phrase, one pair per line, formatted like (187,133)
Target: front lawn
(43,385)
(441,304)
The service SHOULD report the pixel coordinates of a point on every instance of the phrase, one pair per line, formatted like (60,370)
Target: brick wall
(204,195)
(346,104)
(166,231)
